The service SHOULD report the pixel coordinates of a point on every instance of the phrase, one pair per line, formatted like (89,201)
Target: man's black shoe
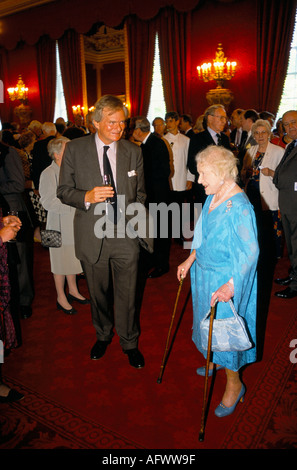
(135,358)
(283,281)
(287,293)
(12,396)
(157,272)
(98,350)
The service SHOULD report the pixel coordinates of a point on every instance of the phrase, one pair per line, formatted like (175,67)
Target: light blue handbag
(228,334)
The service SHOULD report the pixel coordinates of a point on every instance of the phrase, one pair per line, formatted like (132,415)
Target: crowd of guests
(261,151)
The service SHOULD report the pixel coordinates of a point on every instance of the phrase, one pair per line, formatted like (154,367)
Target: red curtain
(275,30)
(141,46)
(174,30)
(71,70)
(5,108)
(46,66)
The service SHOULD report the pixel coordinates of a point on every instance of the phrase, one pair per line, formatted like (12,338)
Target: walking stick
(201,433)
(169,332)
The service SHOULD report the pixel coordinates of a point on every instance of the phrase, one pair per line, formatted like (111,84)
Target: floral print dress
(7,329)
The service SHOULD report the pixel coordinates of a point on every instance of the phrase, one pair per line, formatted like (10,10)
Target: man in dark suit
(40,155)
(215,119)
(249,117)
(186,125)
(285,179)
(156,174)
(237,135)
(108,252)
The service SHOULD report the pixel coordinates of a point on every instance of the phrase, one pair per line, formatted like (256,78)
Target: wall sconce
(77,109)
(79,113)
(220,70)
(20,92)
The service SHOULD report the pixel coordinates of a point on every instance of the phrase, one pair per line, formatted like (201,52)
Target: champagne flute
(16,214)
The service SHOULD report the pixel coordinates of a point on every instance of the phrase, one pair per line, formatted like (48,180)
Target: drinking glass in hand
(107,182)
(16,214)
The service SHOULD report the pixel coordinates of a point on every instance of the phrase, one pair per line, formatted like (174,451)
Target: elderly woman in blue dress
(64,263)
(223,265)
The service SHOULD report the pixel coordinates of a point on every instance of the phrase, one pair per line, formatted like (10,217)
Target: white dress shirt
(179,144)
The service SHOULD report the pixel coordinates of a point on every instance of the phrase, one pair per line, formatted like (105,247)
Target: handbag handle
(231,304)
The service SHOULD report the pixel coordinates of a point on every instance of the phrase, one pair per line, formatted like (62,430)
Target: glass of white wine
(107,182)
(16,214)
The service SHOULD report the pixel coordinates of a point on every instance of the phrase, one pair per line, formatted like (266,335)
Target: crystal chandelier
(220,70)
(20,92)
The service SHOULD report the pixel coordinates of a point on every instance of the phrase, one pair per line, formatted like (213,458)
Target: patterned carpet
(36,422)
(73,403)
(269,421)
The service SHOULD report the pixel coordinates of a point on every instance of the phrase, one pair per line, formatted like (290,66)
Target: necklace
(213,204)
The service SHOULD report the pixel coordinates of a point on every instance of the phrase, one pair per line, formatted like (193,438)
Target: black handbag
(51,238)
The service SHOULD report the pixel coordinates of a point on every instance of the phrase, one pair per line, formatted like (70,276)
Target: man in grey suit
(285,179)
(109,258)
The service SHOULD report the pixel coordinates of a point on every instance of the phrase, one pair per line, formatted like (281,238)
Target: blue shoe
(223,410)
(201,370)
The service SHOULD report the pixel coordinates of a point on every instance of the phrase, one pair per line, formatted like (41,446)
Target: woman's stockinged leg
(60,288)
(72,285)
(233,388)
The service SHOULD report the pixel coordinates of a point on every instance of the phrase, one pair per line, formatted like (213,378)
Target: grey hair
(35,125)
(142,123)
(221,160)
(55,146)
(111,102)
(49,128)
(261,123)
(212,109)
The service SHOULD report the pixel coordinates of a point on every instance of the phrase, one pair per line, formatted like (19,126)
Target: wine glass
(107,182)
(16,214)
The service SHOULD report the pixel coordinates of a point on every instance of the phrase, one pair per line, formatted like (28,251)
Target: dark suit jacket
(198,143)
(156,169)
(242,150)
(190,133)
(285,179)
(40,159)
(233,135)
(80,172)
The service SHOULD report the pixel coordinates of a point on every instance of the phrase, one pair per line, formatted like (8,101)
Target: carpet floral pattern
(72,402)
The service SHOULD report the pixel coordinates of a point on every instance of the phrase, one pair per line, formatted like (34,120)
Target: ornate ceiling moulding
(106,45)
(9,7)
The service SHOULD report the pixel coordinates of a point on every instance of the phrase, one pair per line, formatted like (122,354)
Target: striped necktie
(219,139)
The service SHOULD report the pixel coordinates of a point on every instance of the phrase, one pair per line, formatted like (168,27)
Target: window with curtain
(157,107)
(289,95)
(60,107)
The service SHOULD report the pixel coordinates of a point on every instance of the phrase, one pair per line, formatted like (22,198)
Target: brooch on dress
(229,205)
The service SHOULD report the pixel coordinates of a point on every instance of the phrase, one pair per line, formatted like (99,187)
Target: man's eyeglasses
(222,118)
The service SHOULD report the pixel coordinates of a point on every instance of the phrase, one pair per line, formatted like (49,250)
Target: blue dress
(226,246)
